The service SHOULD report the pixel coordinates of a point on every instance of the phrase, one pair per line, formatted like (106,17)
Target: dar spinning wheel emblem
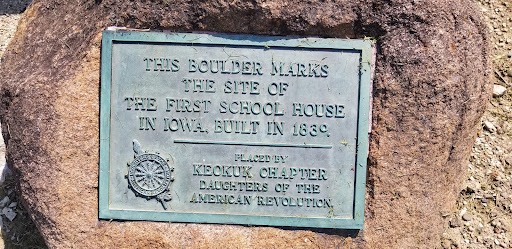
(149,175)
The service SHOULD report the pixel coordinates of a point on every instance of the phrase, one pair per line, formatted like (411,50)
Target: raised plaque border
(110,36)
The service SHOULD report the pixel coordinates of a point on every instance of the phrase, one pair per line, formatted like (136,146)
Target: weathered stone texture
(430,90)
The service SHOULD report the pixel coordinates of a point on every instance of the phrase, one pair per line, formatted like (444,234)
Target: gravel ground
(17,229)
(9,15)
(483,218)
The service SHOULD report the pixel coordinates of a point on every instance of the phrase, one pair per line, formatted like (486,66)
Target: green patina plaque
(234,129)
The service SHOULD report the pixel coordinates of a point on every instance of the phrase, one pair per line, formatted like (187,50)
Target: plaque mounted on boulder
(234,129)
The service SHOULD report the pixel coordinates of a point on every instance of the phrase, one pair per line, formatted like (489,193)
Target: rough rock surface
(429,92)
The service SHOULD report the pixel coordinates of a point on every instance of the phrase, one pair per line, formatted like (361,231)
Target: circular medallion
(149,174)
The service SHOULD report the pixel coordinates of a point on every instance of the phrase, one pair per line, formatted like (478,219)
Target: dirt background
(483,215)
